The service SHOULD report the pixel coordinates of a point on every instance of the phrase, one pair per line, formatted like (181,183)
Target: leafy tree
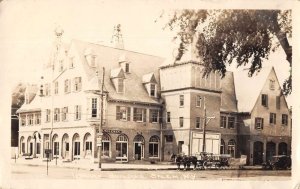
(221,36)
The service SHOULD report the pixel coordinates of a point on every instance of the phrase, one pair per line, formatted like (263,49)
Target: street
(25,172)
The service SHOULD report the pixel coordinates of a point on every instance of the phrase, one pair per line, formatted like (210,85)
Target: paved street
(39,172)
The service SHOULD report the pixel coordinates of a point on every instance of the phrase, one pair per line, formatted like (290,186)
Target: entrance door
(138,151)
(31,148)
(258,149)
(271,150)
(76,150)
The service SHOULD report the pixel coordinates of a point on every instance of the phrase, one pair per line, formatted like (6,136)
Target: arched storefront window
(55,145)
(231,148)
(282,148)
(88,144)
(65,147)
(106,141)
(222,147)
(154,147)
(138,142)
(30,146)
(122,148)
(76,146)
(22,145)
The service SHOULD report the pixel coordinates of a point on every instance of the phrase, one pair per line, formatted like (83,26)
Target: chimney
(117,39)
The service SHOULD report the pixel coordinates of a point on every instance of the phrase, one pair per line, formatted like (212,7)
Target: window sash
(154,116)
(152,89)
(77,112)
(223,121)
(120,85)
(198,101)
(231,121)
(264,100)
(181,100)
(168,117)
(284,120)
(259,123)
(94,107)
(180,121)
(272,118)
(198,122)
(139,114)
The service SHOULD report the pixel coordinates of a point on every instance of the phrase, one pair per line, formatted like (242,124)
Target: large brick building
(151,109)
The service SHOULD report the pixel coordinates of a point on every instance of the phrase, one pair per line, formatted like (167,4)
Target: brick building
(151,109)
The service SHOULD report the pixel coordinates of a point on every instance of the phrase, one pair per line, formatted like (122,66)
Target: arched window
(154,147)
(106,142)
(282,148)
(22,145)
(76,146)
(222,147)
(65,146)
(29,145)
(231,147)
(138,142)
(55,145)
(88,144)
(122,148)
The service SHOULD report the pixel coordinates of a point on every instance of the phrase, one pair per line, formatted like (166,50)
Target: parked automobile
(278,162)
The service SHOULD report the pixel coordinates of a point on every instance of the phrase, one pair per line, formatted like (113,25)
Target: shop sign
(112,131)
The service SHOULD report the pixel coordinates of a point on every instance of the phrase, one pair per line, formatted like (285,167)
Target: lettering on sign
(112,131)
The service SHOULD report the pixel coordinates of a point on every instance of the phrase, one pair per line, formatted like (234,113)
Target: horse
(185,160)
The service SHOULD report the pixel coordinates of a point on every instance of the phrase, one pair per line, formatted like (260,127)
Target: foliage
(222,36)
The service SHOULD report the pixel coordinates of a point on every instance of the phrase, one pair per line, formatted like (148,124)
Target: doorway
(258,149)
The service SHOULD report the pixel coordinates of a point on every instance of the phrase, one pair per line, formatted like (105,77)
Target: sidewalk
(88,165)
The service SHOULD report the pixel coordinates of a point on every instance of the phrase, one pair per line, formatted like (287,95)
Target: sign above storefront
(112,131)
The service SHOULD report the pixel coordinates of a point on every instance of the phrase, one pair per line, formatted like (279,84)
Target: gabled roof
(108,57)
(228,97)
(34,105)
(117,73)
(149,78)
(249,88)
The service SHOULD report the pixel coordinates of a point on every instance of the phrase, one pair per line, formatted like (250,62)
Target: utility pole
(206,121)
(101,119)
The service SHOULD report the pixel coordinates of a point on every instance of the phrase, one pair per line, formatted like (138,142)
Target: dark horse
(185,160)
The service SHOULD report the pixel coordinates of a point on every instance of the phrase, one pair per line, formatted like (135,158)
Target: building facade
(150,110)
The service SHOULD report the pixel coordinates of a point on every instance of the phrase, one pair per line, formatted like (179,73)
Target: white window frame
(123,113)
(121,82)
(77,112)
(181,100)
(56,87)
(48,115)
(151,90)
(199,101)
(152,115)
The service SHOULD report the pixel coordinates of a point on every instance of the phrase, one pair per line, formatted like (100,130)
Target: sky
(27,32)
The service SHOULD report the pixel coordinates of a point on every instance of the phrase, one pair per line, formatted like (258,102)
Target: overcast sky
(27,32)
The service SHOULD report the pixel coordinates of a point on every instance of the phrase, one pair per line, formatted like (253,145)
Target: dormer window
(120,85)
(153,90)
(272,84)
(127,67)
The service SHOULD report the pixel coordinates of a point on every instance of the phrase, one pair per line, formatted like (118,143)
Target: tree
(221,36)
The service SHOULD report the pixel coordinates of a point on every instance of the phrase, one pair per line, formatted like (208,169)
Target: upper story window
(67,85)
(231,121)
(278,102)
(30,119)
(64,113)
(23,120)
(56,87)
(56,114)
(284,120)
(272,84)
(47,89)
(223,121)
(61,65)
(139,114)
(120,85)
(154,114)
(169,138)
(153,90)
(168,117)
(94,107)
(48,114)
(123,113)
(71,62)
(181,100)
(198,101)
(264,100)
(259,123)
(180,121)
(77,112)
(77,84)
(198,122)
(127,68)
(38,118)
(272,118)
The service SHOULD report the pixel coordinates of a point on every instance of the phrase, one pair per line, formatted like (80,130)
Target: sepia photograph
(144,92)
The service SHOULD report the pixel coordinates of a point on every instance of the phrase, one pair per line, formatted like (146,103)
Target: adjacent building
(151,109)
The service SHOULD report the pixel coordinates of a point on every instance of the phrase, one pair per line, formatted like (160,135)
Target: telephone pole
(206,121)
(101,119)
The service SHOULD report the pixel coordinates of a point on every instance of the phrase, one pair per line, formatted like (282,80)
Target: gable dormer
(150,84)
(124,63)
(118,78)
(90,57)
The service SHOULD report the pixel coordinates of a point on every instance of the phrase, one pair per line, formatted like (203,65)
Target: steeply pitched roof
(149,78)
(228,97)
(249,88)
(108,57)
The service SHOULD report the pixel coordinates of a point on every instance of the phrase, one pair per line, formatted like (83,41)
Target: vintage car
(278,162)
